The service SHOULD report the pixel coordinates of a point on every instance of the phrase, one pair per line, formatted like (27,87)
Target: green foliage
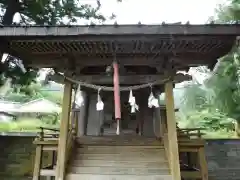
(21,125)
(29,124)
(50,119)
(227,13)
(194,98)
(224,86)
(32,92)
(215,105)
(49,12)
(55,97)
(212,121)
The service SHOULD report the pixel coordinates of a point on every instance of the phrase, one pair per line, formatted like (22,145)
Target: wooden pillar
(81,116)
(66,108)
(37,165)
(117,101)
(203,163)
(172,132)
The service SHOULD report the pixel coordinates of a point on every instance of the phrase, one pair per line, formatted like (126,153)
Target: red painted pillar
(117,102)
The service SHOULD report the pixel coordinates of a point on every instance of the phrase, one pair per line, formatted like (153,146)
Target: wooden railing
(47,141)
(193,159)
(191,133)
(192,153)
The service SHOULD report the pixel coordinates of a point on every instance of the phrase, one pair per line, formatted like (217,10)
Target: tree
(227,13)
(225,78)
(33,91)
(222,89)
(41,12)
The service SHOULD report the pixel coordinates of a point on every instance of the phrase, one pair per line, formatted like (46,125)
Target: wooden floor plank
(116,177)
(119,163)
(110,157)
(118,140)
(126,147)
(119,170)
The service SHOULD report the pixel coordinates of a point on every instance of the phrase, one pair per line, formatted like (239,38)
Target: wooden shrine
(116,59)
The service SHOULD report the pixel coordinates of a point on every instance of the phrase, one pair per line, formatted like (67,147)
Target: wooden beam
(104,31)
(66,108)
(46,60)
(172,132)
(124,80)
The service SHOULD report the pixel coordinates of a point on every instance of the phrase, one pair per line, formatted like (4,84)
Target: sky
(157,11)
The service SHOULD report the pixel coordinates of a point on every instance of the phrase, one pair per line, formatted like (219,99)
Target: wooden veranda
(144,54)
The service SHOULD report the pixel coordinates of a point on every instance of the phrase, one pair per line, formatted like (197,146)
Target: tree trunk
(13,7)
(237,129)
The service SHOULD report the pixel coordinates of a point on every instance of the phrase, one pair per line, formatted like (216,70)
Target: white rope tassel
(132,102)
(79,97)
(100,104)
(118,127)
(152,101)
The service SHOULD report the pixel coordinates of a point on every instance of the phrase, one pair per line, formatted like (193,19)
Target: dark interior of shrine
(127,118)
(141,122)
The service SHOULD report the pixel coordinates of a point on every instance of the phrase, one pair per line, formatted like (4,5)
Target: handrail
(190,132)
(50,129)
(192,129)
(42,134)
(48,140)
(55,134)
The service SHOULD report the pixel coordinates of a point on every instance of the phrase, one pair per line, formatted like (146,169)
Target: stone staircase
(118,158)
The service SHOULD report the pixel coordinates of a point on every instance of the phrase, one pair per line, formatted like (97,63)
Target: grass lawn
(24,125)
(221,134)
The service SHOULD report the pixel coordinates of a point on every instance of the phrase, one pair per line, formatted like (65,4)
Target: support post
(117,103)
(203,163)
(66,108)
(172,132)
(38,162)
